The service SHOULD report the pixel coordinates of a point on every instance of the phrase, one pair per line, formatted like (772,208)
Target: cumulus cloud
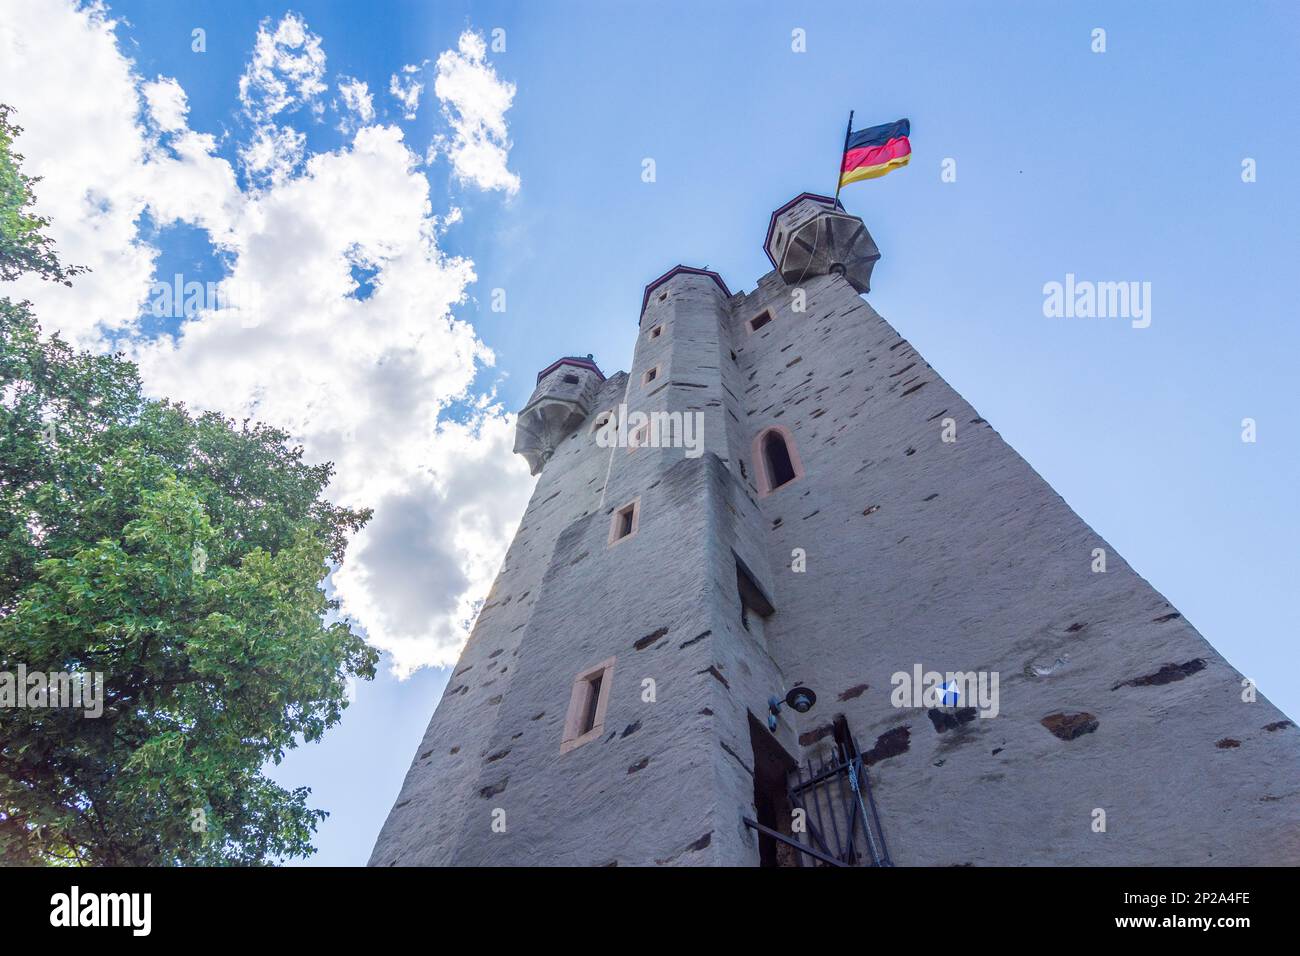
(168,104)
(356,99)
(79,102)
(474,101)
(286,73)
(364,378)
(272,154)
(287,70)
(406,87)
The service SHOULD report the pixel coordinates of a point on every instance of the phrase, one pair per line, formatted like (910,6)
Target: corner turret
(560,403)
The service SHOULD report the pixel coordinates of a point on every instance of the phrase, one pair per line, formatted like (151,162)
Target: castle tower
(843,522)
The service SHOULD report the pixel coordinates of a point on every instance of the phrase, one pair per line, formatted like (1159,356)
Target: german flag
(870,153)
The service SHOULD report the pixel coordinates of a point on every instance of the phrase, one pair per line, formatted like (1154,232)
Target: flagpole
(847,133)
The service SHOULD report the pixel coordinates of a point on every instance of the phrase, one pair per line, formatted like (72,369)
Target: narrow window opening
(624,522)
(733,355)
(754,604)
(776,455)
(588,704)
(759,321)
(571,379)
(592,704)
(651,375)
(780,238)
(657,331)
(662,296)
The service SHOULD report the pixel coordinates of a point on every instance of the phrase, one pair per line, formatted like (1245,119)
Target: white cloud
(362,378)
(357,98)
(168,104)
(272,154)
(407,88)
(474,102)
(79,103)
(287,70)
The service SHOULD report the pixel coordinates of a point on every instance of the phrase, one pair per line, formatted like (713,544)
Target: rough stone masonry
(608,705)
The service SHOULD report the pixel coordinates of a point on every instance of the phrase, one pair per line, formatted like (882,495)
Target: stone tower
(846,523)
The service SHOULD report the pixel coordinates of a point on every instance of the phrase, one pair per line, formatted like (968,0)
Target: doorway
(772,807)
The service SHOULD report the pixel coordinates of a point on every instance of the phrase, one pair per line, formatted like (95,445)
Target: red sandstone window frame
(616,522)
(763,479)
(588,698)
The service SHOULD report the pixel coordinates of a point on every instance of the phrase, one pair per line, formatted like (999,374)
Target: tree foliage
(24,248)
(181,556)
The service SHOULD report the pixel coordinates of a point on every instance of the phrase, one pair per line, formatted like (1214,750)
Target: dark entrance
(772,765)
(839,822)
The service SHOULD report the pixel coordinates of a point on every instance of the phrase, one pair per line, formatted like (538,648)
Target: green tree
(23,245)
(181,556)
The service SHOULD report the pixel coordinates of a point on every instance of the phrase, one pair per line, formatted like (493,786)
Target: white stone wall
(958,556)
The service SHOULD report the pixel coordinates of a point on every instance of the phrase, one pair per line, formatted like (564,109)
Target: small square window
(625,521)
(760,320)
(650,375)
(588,703)
(657,331)
(662,296)
(571,380)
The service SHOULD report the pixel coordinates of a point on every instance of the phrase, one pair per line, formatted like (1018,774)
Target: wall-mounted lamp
(800,698)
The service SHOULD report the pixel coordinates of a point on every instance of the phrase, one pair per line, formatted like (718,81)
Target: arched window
(776,461)
(776,456)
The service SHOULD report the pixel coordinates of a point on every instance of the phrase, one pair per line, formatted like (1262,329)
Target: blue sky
(1115,166)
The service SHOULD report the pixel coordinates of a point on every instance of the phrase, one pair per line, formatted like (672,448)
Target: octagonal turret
(560,403)
(812,235)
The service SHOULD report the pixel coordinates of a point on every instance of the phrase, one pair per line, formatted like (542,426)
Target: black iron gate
(839,824)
